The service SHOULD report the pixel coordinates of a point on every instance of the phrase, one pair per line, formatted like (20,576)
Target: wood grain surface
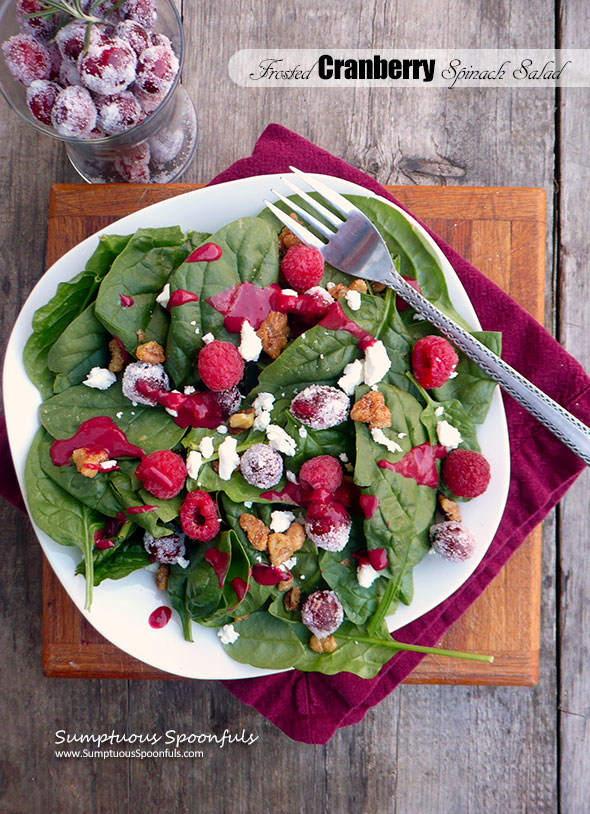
(503,232)
(429,749)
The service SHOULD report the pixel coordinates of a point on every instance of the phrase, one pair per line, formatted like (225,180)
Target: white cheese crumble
(453,374)
(228,634)
(288,292)
(330,285)
(302,432)
(379,437)
(197,330)
(263,402)
(193,463)
(119,414)
(108,465)
(343,457)
(193,322)
(164,296)
(173,413)
(280,521)
(320,293)
(189,390)
(206,446)
(208,338)
(288,564)
(248,504)
(291,476)
(402,435)
(250,343)
(353,298)
(184,563)
(228,458)
(222,429)
(280,440)
(352,376)
(366,575)
(377,363)
(100,378)
(262,421)
(449,436)
(439,411)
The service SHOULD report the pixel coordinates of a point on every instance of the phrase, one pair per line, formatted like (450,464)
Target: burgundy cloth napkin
(310,707)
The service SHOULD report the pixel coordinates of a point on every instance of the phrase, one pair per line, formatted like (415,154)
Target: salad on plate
(279,443)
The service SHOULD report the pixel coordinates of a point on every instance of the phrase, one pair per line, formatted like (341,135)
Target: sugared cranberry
(156,68)
(71,40)
(143,371)
(26,59)
(261,466)
(74,113)
(133,33)
(327,524)
(166,145)
(148,101)
(452,541)
(69,74)
(229,400)
(156,38)
(133,166)
(41,96)
(322,613)
(54,60)
(323,471)
(108,68)
(142,11)
(118,113)
(165,549)
(320,406)
(40,27)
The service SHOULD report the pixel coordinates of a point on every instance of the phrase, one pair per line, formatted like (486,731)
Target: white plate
(120,609)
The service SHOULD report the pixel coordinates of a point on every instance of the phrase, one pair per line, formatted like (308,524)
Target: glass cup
(157,150)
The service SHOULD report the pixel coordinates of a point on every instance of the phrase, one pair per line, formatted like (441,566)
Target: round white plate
(120,609)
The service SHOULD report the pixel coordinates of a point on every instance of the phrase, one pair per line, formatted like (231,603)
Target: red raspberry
(452,541)
(162,473)
(302,267)
(466,473)
(198,516)
(322,472)
(220,365)
(322,613)
(433,361)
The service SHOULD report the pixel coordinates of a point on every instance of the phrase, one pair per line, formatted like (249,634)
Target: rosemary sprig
(71,10)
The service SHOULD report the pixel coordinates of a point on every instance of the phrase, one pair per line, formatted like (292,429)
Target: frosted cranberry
(144,371)
(133,167)
(118,113)
(73,113)
(149,101)
(261,466)
(40,27)
(327,525)
(166,145)
(103,9)
(322,613)
(142,11)
(68,74)
(156,68)
(54,60)
(156,38)
(320,406)
(26,59)
(452,541)
(41,96)
(134,34)
(109,67)
(165,549)
(71,39)
(229,400)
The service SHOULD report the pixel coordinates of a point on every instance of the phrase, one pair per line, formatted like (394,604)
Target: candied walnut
(326,645)
(292,599)
(84,456)
(256,532)
(141,335)
(116,363)
(378,288)
(371,409)
(242,420)
(151,352)
(273,333)
(285,584)
(449,508)
(338,291)
(296,536)
(358,285)
(162,577)
(279,548)
(287,238)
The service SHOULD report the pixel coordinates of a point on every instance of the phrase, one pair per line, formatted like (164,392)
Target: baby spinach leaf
(177,580)
(236,488)
(82,346)
(124,485)
(249,253)
(266,641)
(69,300)
(203,592)
(140,272)
(117,562)
(150,428)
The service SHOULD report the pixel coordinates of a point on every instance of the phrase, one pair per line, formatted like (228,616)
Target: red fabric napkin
(310,707)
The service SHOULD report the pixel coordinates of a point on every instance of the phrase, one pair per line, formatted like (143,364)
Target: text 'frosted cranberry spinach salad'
(268,433)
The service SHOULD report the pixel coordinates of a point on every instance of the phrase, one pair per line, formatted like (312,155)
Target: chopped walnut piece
(287,238)
(151,352)
(242,420)
(116,363)
(84,456)
(378,288)
(162,577)
(256,532)
(273,333)
(292,599)
(358,285)
(338,291)
(141,335)
(325,645)
(279,548)
(449,508)
(371,409)
(285,584)
(296,536)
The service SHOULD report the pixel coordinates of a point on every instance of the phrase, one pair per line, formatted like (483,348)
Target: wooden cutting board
(502,232)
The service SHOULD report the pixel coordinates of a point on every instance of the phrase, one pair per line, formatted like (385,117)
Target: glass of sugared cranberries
(113,97)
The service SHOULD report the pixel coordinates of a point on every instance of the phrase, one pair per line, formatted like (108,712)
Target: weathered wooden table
(426,749)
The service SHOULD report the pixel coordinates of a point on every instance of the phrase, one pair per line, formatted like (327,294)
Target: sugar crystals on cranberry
(165,549)
(156,68)
(322,613)
(261,466)
(108,67)
(320,406)
(452,541)
(26,59)
(154,375)
(118,113)
(73,113)
(41,96)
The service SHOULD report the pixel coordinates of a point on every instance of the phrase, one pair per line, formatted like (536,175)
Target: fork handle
(552,415)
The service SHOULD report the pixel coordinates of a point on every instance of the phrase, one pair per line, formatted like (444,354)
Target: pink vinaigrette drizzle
(160,617)
(126,302)
(219,561)
(180,297)
(98,434)
(207,253)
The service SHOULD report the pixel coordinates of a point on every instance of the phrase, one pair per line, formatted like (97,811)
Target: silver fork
(353,245)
